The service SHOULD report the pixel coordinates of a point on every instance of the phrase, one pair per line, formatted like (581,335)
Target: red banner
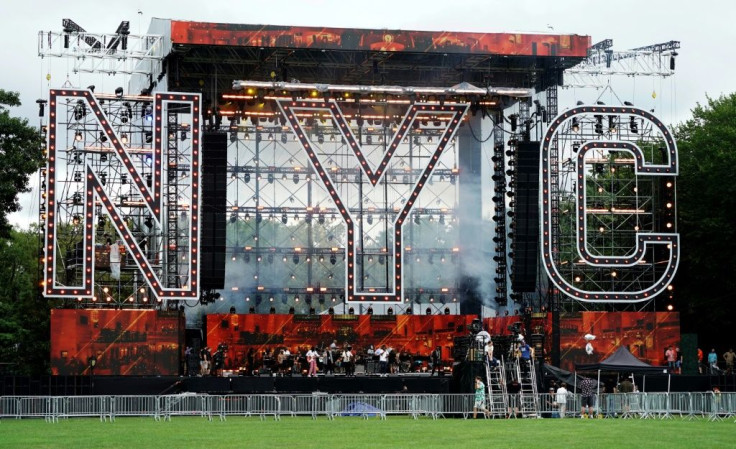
(511,44)
(121,342)
(646,334)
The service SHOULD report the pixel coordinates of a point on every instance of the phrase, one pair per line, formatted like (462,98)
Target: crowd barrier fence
(712,406)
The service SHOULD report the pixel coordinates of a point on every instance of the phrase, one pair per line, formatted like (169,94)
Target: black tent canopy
(622,361)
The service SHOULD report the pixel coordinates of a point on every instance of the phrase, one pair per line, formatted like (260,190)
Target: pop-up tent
(622,361)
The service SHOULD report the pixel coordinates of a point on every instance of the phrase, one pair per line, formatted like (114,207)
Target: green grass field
(395,432)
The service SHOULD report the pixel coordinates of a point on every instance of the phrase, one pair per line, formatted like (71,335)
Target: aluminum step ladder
(528,397)
(496,385)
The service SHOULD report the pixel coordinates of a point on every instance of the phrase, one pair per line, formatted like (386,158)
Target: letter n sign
(96,196)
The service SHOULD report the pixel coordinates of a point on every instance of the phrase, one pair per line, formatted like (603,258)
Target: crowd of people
(325,359)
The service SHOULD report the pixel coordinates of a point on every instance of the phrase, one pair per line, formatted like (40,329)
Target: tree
(20,156)
(24,314)
(705,287)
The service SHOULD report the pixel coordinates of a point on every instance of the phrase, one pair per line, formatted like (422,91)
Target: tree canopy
(20,156)
(705,288)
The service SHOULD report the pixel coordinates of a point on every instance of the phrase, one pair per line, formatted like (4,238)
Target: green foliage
(24,315)
(706,196)
(20,156)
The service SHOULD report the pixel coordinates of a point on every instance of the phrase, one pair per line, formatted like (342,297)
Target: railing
(711,406)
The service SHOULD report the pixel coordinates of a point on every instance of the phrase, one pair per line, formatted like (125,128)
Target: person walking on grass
(480,398)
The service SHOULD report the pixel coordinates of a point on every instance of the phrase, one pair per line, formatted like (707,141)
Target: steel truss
(286,236)
(111,53)
(602,62)
(620,207)
(83,143)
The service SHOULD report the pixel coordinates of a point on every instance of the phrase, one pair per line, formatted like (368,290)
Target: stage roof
(212,55)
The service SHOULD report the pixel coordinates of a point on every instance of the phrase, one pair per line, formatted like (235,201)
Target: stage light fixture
(124,138)
(119,92)
(575,125)
(78,136)
(599,124)
(513,118)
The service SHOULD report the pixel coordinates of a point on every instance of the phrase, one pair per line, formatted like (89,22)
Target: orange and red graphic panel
(121,342)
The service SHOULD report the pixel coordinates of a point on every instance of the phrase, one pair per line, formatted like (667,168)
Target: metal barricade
(363,405)
(698,407)
(80,406)
(10,407)
(548,407)
(614,404)
(134,406)
(186,405)
(634,407)
(262,405)
(455,404)
(655,405)
(38,407)
(313,405)
(713,405)
(678,404)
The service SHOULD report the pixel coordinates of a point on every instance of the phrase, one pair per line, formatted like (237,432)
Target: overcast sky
(705,29)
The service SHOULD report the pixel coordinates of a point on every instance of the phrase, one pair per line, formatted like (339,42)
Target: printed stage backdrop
(416,335)
(201,33)
(645,334)
(124,342)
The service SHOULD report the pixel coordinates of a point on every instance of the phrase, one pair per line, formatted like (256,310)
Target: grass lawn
(395,432)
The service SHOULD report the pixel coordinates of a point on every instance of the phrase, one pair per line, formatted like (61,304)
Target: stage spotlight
(428,311)
(333,259)
(513,118)
(575,125)
(599,124)
(78,136)
(119,92)
(295,259)
(284,218)
(633,125)
(351,311)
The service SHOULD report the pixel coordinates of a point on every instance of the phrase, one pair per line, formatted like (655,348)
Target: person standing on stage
(729,357)
(312,356)
(713,361)
(436,359)
(347,361)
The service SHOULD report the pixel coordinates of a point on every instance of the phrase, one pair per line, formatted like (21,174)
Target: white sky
(705,29)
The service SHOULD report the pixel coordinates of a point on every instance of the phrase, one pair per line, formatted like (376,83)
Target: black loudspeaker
(526,231)
(213,207)
(689,351)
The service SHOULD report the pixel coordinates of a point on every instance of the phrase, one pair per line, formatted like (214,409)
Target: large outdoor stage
(260,191)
